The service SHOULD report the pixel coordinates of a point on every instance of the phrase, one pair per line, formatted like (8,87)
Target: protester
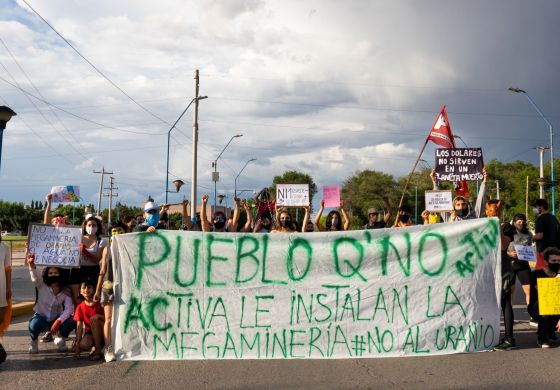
(104,292)
(91,251)
(373,216)
(462,208)
(57,219)
(264,223)
(151,219)
(53,308)
(248,226)
(130,223)
(89,323)
(333,221)
(265,203)
(187,221)
(404,216)
(521,269)
(284,222)
(5,292)
(310,227)
(546,231)
(547,325)
(219,219)
(430,218)
(493,209)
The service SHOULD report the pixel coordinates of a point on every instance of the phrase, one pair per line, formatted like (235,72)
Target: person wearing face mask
(53,308)
(219,220)
(104,290)
(264,223)
(151,221)
(285,224)
(335,221)
(462,209)
(546,230)
(548,325)
(521,270)
(404,216)
(92,249)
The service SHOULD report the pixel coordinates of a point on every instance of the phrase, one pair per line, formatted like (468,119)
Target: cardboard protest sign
(331,196)
(525,253)
(296,195)
(439,200)
(459,164)
(65,194)
(421,290)
(57,246)
(549,296)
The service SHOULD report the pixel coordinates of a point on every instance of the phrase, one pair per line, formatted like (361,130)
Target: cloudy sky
(324,87)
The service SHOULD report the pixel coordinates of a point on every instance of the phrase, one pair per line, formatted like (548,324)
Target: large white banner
(422,290)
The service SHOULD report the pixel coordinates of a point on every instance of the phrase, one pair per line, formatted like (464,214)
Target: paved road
(527,367)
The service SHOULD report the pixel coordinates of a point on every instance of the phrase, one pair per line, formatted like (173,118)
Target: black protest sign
(459,164)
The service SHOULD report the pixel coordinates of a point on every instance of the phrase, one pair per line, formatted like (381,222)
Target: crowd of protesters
(81,300)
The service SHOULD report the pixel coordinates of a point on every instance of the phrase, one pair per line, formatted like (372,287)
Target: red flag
(441,134)
(441,131)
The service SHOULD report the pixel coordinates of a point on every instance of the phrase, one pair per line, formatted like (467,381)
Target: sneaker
(109,355)
(47,337)
(506,345)
(34,346)
(60,344)
(3,354)
(533,323)
(543,344)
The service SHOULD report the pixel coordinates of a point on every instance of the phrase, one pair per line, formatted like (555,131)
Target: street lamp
(169,139)
(216,174)
(6,114)
(237,177)
(551,130)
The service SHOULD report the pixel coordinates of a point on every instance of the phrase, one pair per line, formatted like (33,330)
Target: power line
(94,67)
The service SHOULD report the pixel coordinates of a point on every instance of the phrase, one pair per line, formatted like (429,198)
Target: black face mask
(219,224)
(286,223)
(404,218)
(555,267)
(462,212)
(52,280)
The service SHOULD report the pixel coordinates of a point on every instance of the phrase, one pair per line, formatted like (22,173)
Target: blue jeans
(38,324)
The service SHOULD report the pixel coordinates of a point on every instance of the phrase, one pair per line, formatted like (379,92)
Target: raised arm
(345,218)
(235,219)
(388,206)
(318,223)
(205,223)
(481,198)
(47,217)
(35,278)
(249,223)
(305,218)
(185,214)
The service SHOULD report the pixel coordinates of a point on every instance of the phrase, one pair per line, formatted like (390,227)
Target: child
(546,332)
(53,309)
(104,292)
(89,323)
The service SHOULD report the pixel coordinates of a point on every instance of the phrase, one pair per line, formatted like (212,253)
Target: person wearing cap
(373,216)
(151,219)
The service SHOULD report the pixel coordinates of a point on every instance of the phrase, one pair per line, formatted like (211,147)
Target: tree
(366,189)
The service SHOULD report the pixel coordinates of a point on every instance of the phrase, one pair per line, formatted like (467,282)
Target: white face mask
(536,210)
(91,229)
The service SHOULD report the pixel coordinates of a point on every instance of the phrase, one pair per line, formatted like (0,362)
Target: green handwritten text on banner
(413,291)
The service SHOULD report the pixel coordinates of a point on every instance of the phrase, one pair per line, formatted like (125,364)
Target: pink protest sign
(331,196)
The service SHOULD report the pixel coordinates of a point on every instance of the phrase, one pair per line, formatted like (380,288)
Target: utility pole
(541,180)
(111,195)
(103,172)
(497,190)
(195,145)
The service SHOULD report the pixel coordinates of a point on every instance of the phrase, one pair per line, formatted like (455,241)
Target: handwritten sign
(439,200)
(57,246)
(295,195)
(459,164)
(65,194)
(525,253)
(352,294)
(549,296)
(331,196)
